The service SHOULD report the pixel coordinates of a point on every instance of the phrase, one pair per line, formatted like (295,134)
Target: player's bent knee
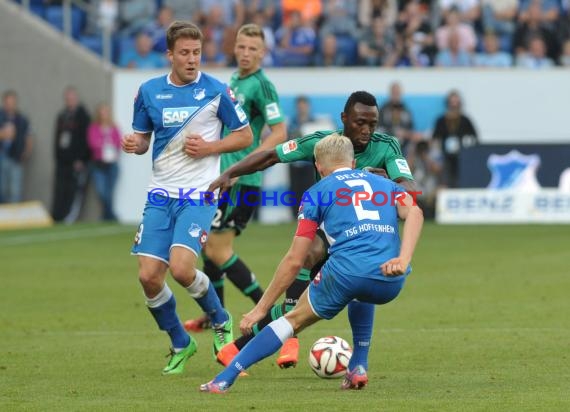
(151,281)
(199,286)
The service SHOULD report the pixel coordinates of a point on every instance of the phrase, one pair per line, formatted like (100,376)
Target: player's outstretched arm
(282,279)
(251,163)
(413,217)
(409,185)
(277,136)
(137,143)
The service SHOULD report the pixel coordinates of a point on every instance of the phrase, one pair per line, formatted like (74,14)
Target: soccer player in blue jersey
(362,227)
(186,110)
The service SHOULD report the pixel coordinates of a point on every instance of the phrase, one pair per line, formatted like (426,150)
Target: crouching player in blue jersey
(361,221)
(186,110)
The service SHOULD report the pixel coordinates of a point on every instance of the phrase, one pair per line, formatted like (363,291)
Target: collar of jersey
(183,85)
(342,169)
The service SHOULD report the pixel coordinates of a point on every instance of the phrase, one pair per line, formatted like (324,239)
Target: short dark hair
(360,97)
(182,29)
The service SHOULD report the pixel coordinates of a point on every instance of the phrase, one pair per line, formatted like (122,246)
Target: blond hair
(334,149)
(252,30)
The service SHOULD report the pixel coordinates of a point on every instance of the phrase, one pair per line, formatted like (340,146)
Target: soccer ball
(329,357)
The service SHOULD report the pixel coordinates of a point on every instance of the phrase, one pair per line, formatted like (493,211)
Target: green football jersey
(383,151)
(257,96)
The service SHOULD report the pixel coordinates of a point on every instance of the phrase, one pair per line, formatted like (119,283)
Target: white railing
(106,33)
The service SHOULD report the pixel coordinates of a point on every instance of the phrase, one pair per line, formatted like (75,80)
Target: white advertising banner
(502,206)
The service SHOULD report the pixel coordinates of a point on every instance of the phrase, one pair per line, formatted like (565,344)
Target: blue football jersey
(363,234)
(172,112)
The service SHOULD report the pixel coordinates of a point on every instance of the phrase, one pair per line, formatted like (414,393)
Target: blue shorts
(174,223)
(329,294)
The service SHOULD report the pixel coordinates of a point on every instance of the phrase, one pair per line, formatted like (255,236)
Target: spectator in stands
(406,53)
(563,27)
(498,16)
(104,140)
(261,18)
(157,29)
(531,27)
(369,10)
(134,15)
(15,148)
(142,57)
(71,157)
(565,58)
(296,42)
(396,119)
(491,55)
(414,28)
(212,56)
(232,11)
(426,167)
(465,32)
(339,18)
(376,43)
(469,10)
(102,15)
(535,57)
(453,56)
(269,9)
(304,10)
(453,131)
(215,29)
(328,54)
(185,10)
(549,11)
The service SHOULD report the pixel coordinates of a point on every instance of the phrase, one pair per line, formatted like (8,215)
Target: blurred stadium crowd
(381,33)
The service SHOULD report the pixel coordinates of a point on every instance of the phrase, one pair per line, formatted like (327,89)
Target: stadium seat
(122,44)
(54,15)
(348,48)
(93,43)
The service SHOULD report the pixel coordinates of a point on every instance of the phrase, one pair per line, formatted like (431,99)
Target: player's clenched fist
(196,147)
(394,267)
(134,143)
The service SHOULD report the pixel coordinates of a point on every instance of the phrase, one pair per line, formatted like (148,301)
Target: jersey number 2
(362,213)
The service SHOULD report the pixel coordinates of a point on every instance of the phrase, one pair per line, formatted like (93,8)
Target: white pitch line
(76,234)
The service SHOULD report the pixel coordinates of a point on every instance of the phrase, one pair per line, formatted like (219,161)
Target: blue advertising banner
(528,167)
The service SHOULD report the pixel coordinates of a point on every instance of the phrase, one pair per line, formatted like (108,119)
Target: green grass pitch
(483,324)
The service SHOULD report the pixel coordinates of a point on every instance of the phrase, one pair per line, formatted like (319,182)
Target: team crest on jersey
(203,238)
(317,279)
(199,94)
(272,111)
(289,146)
(231,94)
(194,230)
(241,99)
(176,116)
